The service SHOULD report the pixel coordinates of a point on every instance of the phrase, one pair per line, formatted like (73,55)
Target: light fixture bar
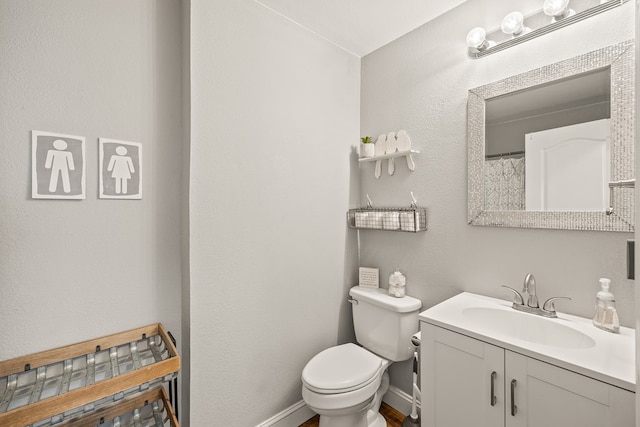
(545,29)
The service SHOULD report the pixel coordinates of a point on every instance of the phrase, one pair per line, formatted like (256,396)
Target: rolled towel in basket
(375,219)
(391,220)
(408,221)
(361,219)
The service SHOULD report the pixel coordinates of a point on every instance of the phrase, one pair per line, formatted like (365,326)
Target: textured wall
(420,83)
(74,270)
(274,116)
(637,194)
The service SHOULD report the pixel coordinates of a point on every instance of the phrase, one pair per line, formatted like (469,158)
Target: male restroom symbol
(60,162)
(121,168)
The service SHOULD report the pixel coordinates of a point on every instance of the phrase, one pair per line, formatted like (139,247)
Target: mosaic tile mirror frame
(620,59)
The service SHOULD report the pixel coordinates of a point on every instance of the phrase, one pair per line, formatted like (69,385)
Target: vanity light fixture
(523,28)
(558,9)
(477,39)
(513,24)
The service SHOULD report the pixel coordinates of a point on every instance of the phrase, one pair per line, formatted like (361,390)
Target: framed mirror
(544,145)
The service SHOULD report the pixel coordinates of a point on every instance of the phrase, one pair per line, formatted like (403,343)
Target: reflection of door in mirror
(568,168)
(511,118)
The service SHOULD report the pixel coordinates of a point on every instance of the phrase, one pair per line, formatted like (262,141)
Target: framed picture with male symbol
(120,169)
(57,166)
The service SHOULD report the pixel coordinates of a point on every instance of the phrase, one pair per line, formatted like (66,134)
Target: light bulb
(477,38)
(513,24)
(557,8)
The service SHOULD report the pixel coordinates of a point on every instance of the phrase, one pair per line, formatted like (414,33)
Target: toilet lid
(340,369)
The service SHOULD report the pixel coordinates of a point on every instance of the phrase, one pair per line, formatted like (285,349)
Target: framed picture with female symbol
(120,169)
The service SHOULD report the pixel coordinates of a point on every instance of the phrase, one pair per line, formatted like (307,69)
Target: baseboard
(293,416)
(398,400)
(298,413)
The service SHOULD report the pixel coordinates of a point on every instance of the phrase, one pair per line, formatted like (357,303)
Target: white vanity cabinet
(468,382)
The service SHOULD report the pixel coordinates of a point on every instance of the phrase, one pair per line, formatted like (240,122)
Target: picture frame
(57,166)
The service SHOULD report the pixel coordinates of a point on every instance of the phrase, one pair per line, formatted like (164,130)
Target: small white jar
(397,284)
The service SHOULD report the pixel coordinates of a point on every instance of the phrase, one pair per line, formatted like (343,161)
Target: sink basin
(528,327)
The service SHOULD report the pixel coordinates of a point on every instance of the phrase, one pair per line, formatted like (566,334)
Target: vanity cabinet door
(545,395)
(462,380)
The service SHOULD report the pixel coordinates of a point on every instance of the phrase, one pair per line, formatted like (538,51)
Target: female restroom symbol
(121,168)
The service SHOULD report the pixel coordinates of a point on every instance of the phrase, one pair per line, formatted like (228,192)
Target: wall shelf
(151,408)
(410,220)
(388,156)
(68,383)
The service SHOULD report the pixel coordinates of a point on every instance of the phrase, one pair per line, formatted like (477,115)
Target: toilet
(345,384)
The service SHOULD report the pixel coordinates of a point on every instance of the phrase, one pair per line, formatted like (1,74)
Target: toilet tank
(385,324)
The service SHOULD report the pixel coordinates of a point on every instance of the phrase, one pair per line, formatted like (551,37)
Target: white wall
(184,405)
(420,83)
(74,270)
(637,200)
(274,117)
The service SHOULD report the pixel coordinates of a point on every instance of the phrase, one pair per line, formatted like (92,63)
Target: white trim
(293,416)
(298,413)
(307,29)
(399,400)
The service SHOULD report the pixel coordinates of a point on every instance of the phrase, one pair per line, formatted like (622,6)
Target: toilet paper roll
(415,339)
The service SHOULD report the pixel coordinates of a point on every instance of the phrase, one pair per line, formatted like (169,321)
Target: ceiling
(360,26)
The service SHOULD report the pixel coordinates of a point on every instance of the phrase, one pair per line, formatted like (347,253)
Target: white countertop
(611,359)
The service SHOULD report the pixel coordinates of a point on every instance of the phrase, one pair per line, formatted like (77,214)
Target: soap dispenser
(606,316)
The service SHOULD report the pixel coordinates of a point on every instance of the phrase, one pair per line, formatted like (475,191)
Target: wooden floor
(393,417)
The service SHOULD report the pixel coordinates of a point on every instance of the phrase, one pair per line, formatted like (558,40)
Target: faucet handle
(549,305)
(517,298)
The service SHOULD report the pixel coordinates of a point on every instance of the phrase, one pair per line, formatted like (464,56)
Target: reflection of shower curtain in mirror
(504,184)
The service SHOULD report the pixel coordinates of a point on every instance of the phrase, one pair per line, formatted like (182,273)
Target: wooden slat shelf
(89,375)
(143,403)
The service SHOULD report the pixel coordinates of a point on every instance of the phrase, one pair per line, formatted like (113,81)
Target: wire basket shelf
(410,220)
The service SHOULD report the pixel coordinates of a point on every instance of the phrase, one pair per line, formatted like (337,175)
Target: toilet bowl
(345,385)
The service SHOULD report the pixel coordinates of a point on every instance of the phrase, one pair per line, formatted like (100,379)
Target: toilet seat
(342,369)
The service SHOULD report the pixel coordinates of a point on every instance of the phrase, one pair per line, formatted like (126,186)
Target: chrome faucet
(548,308)
(529,288)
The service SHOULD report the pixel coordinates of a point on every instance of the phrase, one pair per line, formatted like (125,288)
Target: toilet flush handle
(353,301)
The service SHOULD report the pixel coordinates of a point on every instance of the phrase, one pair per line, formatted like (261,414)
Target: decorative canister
(397,284)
